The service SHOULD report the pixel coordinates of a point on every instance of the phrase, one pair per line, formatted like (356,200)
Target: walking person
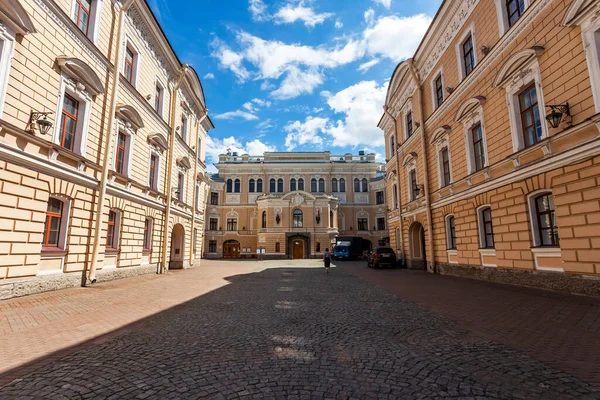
(327,260)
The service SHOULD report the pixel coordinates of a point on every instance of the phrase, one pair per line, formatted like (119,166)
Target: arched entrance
(231,249)
(177,247)
(298,245)
(417,247)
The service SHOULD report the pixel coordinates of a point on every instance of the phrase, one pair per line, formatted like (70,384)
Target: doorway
(177,247)
(417,247)
(298,249)
(231,249)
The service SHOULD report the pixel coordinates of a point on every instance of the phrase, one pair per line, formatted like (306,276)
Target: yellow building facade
(493,144)
(102,142)
(293,205)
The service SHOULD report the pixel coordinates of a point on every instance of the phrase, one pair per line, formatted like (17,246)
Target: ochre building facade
(493,144)
(102,142)
(293,205)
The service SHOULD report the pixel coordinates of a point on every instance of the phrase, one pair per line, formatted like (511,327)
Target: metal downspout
(195,200)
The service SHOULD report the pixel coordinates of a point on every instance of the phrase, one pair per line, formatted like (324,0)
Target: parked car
(382,256)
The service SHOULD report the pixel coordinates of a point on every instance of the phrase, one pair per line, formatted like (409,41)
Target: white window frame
(392,140)
(409,169)
(407,110)
(137,60)
(118,220)
(151,230)
(441,144)
(481,228)
(157,170)
(7,48)
(462,73)
(84,112)
(434,102)
(362,214)
(124,128)
(64,220)
(161,101)
(476,117)
(94,21)
(502,14)
(183,130)
(197,189)
(184,185)
(448,233)
(395,196)
(533,222)
(590,31)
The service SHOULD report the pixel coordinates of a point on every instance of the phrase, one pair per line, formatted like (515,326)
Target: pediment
(515,64)
(81,72)
(130,114)
(158,140)
(184,162)
(15,17)
(468,107)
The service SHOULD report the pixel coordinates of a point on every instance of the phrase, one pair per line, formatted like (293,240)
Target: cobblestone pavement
(293,332)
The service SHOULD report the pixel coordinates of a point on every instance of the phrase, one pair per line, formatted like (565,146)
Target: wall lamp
(556,114)
(41,120)
(417,190)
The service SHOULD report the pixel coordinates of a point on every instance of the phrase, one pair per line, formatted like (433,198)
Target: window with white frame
(131,64)
(301,184)
(334,185)
(197,197)
(321,185)
(450,233)
(213,224)
(180,186)
(486,227)
(466,53)
(342,185)
(470,115)
(86,15)
(73,113)
(56,224)
(408,123)
(381,223)
(159,98)
(123,151)
(590,30)
(543,220)
(509,12)
(148,232)
(395,196)
(113,228)
(444,166)
(154,170)
(7,46)
(363,223)
(184,127)
(365,185)
(412,182)
(212,246)
(392,145)
(437,89)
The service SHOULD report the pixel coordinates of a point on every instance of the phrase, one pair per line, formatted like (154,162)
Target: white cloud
(257,148)
(386,3)
(298,82)
(307,132)
(258,9)
(291,13)
(249,107)
(231,60)
(216,147)
(382,37)
(262,103)
(369,15)
(364,67)
(265,125)
(338,24)
(210,75)
(237,114)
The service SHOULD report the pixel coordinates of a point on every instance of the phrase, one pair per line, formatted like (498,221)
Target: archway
(417,247)
(298,246)
(231,249)
(177,247)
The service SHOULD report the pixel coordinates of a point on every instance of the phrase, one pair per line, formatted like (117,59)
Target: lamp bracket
(562,108)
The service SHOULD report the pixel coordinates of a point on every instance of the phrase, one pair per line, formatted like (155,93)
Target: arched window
(272,186)
(321,185)
(264,219)
(301,184)
(356,185)
(280,185)
(292,185)
(334,185)
(298,218)
(251,185)
(53,232)
(237,186)
(313,185)
(342,185)
(365,185)
(259,187)
(229,186)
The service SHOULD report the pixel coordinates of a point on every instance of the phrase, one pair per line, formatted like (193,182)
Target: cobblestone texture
(296,333)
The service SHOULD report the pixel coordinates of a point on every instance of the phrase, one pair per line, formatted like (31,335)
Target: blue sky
(282,75)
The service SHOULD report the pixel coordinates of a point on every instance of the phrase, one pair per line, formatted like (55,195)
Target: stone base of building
(557,281)
(40,284)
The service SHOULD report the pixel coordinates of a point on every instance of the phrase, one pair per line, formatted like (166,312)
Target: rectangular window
(52,228)
(197,197)
(180,186)
(129,61)
(82,15)
(439,91)
(409,124)
(379,198)
(468,55)
(451,233)
(147,234)
(363,224)
(158,99)
(413,185)
(547,233)
(195,241)
(213,224)
(514,10)
(487,229)
(277,247)
(111,233)
(184,126)
(212,246)
(445,158)
(153,179)
(478,150)
(214,199)
(121,148)
(232,224)
(530,116)
(381,224)
(68,126)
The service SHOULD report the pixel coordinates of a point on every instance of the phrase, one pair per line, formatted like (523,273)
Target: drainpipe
(415,76)
(108,143)
(163,261)
(194,200)
(398,183)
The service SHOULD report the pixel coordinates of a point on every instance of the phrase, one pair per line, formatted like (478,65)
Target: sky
(294,75)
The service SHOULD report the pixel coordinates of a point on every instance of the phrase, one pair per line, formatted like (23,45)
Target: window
(546,230)
(112,230)
(395,196)
(153,176)
(292,185)
(82,14)
(121,148)
(277,247)
(85,14)
(237,186)
(409,124)
(438,87)
(264,220)
(318,247)
(195,241)
(379,198)
(530,116)
(213,224)
(398,238)
(478,147)
(214,199)
(199,151)
(129,64)
(297,218)
(148,225)
(259,185)
(331,215)
(184,127)
(272,187)
(334,185)
(301,184)
(313,185)
(158,100)
(321,185)
(180,186)
(392,146)
(232,224)
(363,224)
(251,185)
(468,56)
(212,246)
(229,185)
(445,166)
(197,197)
(450,233)
(356,185)
(365,185)
(53,227)
(280,185)
(486,229)
(7,46)
(68,125)
(342,185)
(514,10)
(413,189)
(381,224)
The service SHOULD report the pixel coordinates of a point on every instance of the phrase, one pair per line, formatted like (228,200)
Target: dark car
(383,256)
